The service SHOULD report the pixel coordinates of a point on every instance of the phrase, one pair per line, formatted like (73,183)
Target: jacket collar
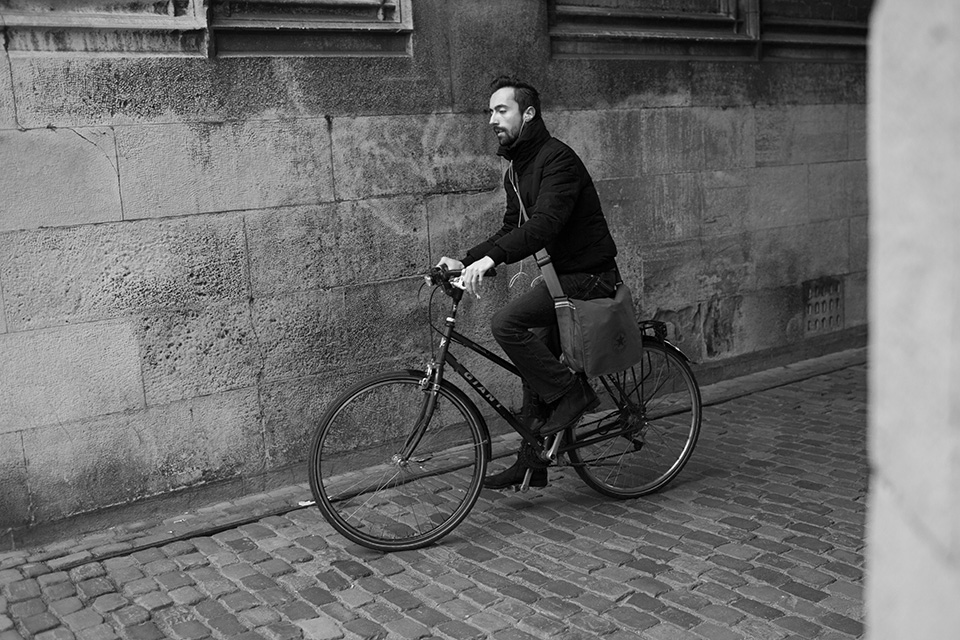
(533,136)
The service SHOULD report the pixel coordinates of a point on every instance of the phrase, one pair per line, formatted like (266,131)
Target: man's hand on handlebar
(450,263)
(471,277)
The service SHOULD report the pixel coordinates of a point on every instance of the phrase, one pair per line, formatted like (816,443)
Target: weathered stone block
(672,140)
(294,249)
(53,177)
(226,166)
(650,210)
(406,154)
(386,319)
(770,318)
(8,115)
(726,268)
(458,221)
(729,138)
(790,255)
(670,275)
(838,190)
(859,243)
(608,142)
(52,276)
(585,83)
(123,90)
(719,320)
(726,202)
(81,466)
(14,495)
(302,333)
(305,248)
(677,207)
(797,134)
(694,139)
(654,209)
(59,375)
(196,352)
(856,132)
(779,197)
(628,207)
(292,410)
(481,45)
(855,299)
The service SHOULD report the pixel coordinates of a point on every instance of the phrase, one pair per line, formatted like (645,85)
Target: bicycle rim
(645,430)
(365,488)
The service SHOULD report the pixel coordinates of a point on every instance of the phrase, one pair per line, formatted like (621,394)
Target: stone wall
(197,253)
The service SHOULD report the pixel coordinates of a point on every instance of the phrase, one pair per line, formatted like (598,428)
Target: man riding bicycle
(563,215)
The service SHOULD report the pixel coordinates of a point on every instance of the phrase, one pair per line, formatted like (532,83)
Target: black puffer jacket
(562,205)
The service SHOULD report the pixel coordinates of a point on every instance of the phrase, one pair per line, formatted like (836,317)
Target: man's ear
(528,114)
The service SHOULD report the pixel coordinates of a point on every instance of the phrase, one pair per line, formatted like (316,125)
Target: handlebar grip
(440,274)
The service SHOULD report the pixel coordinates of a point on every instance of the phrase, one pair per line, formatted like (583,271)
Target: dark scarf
(526,147)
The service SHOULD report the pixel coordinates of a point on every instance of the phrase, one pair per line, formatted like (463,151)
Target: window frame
(736,30)
(194,28)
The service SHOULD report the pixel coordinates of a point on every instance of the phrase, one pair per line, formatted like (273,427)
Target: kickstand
(523,488)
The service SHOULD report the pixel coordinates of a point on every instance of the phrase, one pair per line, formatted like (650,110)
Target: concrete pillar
(913,530)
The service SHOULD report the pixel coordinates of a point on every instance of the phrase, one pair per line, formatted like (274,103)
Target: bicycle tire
(645,429)
(363,488)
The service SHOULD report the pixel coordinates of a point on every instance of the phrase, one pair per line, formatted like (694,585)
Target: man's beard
(508,137)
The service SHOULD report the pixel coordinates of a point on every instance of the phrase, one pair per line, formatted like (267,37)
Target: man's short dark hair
(525,95)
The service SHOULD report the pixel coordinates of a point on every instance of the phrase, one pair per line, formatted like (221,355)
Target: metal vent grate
(824,306)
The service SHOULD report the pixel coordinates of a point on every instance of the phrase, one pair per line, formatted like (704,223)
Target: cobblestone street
(761,536)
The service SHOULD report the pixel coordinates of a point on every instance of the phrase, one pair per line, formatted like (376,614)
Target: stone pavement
(761,536)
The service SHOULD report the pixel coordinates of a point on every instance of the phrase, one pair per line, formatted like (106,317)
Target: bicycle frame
(445,358)
(557,446)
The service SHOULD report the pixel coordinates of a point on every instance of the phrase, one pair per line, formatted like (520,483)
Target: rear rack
(653,328)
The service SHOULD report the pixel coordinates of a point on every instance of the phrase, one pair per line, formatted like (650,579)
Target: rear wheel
(646,428)
(374,493)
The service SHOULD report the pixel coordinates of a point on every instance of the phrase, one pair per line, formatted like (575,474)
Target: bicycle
(398,459)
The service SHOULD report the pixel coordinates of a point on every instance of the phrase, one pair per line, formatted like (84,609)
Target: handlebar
(441,275)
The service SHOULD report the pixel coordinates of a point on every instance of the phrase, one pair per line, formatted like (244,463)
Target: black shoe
(571,408)
(513,476)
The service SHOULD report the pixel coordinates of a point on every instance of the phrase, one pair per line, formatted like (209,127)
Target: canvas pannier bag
(599,336)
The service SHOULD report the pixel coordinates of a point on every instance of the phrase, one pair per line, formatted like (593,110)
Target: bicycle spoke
(389,489)
(643,442)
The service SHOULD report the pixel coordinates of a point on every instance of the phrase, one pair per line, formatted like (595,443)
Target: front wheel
(646,428)
(392,473)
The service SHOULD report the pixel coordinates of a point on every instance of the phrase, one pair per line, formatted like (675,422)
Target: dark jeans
(526,330)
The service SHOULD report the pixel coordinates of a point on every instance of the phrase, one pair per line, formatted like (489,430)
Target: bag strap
(542,257)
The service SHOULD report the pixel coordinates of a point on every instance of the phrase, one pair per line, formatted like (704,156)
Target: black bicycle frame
(434,376)
(449,334)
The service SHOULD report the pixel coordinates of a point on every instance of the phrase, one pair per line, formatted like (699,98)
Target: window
(312,27)
(208,27)
(711,29)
